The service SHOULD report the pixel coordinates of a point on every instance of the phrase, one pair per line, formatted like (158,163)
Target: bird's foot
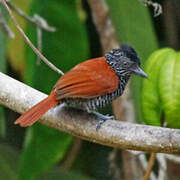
(102,118)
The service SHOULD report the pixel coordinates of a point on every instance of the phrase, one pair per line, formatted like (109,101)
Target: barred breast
(98,102)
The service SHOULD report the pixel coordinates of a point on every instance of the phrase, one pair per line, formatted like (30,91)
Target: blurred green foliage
(2,52)
(17,58)
(57,174)
(43,147)
(160,94)
(2,69)
(8,162)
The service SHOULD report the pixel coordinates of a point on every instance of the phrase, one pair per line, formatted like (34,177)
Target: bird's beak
(139,71)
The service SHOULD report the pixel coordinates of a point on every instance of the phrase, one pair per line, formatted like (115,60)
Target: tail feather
(34,114)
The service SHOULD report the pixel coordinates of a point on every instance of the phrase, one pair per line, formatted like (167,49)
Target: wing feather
(89,79)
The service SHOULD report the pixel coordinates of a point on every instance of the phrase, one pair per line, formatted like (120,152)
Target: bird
(89,85)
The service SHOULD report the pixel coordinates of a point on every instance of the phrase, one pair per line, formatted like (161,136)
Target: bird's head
(125,61)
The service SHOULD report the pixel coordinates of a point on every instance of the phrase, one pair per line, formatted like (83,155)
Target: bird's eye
(125,63)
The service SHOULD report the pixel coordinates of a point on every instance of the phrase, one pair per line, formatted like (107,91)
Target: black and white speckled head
(125,61)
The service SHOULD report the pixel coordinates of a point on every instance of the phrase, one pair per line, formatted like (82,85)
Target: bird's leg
(101,119)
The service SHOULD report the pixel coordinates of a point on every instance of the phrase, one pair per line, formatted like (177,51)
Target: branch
(150,166)
(38,53)
(4,26)
(157,7)
(114,170)
(104,26)
(173,158)
(41,24)
(144,164)
(162,164)
(20,97)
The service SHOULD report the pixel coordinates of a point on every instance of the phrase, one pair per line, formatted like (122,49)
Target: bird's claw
(110,117)
(102,119)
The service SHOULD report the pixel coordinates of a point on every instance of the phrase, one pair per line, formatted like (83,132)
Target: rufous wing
(89,79)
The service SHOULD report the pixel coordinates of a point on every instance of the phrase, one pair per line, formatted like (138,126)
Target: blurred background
(41,152)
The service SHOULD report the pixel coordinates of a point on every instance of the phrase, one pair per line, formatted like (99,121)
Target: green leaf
(160,95)
(43,148)
(2,69)
(8,163)
(151,100)
(58,173)
(169,88)
(16,58)
(133,26)
(64,48)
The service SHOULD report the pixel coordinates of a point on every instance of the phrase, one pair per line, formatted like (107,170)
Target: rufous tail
(34,114)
